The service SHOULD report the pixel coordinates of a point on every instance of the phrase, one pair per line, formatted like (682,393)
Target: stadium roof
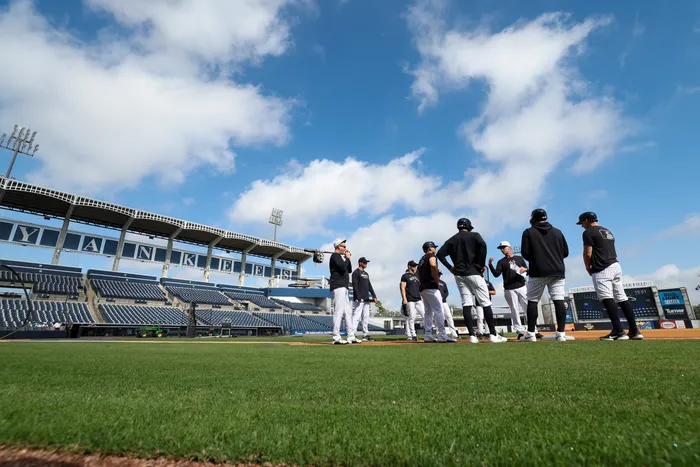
(34,199)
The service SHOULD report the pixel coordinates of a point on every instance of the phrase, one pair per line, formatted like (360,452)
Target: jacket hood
(543,226)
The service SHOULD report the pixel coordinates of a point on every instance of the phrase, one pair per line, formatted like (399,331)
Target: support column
(244,254)
(169,252)
(120,245)
(275,257)
(209,251)
(299,263)
(62,236)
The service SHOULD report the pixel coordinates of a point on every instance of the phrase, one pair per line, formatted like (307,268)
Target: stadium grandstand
(114,302)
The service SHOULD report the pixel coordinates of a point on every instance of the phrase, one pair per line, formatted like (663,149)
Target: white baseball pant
(478,315)
(517,302)
(608,283)
(432,301)
(449,318)
(361,312)
(341,309)
(536,286)
(411,319)
(473,286)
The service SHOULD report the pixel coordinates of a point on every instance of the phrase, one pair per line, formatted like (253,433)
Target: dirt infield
(30,457)
(652,334)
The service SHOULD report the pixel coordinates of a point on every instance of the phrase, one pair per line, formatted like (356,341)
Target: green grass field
(622,403)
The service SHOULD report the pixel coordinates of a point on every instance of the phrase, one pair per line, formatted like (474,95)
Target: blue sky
(382,122)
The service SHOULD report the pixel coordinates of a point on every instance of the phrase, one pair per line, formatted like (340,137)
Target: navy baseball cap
(428,245)
(587,216)
(464,223)
(363,260)
(538,215)
(412,264)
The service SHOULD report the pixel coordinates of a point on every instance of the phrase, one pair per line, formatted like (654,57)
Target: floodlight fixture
(21,141)
(276,220)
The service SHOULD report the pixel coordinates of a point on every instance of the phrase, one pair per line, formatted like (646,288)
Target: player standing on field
(513,269)
(545,248)
(444,291)
(430,294)
(467,250)
(600,258)
(361,288)
(410,297)
(340,268)
(478,313)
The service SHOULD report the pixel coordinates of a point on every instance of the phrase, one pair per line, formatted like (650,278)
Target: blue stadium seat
(46,283)
(293,322)
(257,299)
(139,315)
(129,289)
(236,318)
(297,306)
(198,295)
(328,321)
(13,312)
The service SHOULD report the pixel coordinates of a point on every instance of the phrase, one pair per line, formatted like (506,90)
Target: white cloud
(188,201)
(310,195)
(155,103)
(690,226)
(670,275)
(538,111)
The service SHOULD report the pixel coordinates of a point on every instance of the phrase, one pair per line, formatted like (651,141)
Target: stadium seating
(298,306)
(120,288)
(13,312)
(46,283)
(257,299)
(131,314)
(293,322)
(237,318)
(328,321)
(198,295)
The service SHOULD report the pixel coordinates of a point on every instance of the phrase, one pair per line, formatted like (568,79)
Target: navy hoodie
(545,248)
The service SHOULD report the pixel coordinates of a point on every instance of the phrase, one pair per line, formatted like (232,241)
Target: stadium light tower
(276,220)
(20,141)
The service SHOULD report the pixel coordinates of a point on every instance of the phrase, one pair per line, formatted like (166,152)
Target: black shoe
(615,336)
(520,336)
(367,338)
(637,336)
(539,336)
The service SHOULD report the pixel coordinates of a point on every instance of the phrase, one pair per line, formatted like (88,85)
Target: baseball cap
(338,241)
(363,260)
(503,244)
(464,223)
(538,215)
(427,245)
(412,264)
(587,216)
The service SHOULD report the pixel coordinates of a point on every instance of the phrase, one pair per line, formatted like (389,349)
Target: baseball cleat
(539,336)
(446,339)
(497,339)
(473,340)
(527,337)
(354,340)
(613,336)
(340,342)
(561,336)
(636,337)
(429,338)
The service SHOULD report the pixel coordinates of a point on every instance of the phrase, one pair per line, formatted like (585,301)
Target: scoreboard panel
(643,299)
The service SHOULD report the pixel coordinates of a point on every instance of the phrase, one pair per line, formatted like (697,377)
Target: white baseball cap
(338,241)
(503,245)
